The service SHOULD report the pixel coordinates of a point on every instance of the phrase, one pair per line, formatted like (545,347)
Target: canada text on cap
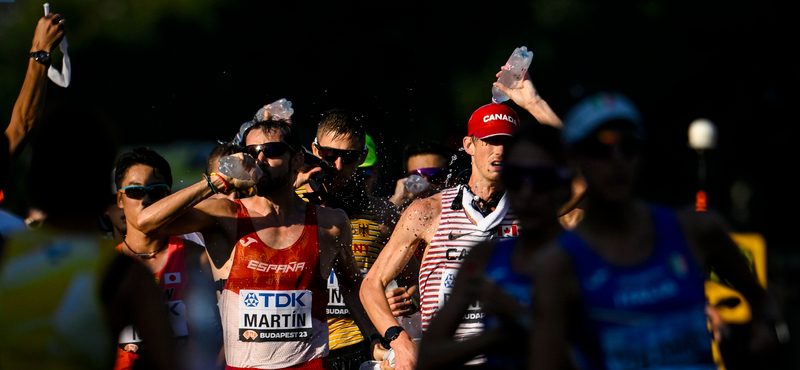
(493,120)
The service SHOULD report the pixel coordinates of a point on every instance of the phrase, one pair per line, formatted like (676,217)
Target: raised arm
(30,103)
(414,226)
(527,97)
(190,210)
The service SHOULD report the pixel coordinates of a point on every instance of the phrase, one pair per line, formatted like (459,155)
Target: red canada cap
(493,120)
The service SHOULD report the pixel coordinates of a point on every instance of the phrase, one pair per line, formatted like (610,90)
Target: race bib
(274,315)
(474,313)
(336,307)
(176,311)
(678,339)
(130,340)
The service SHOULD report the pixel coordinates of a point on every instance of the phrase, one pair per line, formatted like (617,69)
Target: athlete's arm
(527,97)
(555,295)
(202,315)
(708,235)
(186,211)
(30,103)
(414,226)
(439,349)
(404,300)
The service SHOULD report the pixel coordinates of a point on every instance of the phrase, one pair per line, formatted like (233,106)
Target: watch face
(41,56)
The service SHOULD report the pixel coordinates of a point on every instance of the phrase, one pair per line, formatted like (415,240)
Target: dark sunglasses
(331,154)
(432,174)
(540,179)
(138,192)
(270,150)
(607,142)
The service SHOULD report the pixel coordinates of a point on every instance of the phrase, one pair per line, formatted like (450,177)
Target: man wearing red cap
(446,226)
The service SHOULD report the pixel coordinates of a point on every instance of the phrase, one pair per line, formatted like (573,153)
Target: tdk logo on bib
(251,300)
(292,299)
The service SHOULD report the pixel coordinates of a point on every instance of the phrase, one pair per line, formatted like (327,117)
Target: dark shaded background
(195,70)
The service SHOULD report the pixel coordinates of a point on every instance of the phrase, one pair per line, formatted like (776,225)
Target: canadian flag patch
(172,278)
(507,230)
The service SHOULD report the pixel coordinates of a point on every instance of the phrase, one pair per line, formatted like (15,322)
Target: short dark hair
(342,123)
(145,156)
(426,147)
(219,151)
(290,134)
(545,137)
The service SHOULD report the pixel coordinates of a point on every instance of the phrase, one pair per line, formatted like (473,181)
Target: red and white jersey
(454,238)
(273,303)
(173,280)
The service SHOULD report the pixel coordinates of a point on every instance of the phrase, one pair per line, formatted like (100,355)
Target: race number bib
(474,313)
(336,307)
(130,340)
(274,315)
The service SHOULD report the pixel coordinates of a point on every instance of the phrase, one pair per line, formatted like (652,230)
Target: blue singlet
(648,316)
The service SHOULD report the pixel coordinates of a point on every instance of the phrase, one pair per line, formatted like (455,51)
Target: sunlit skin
(345,171)
(141,175)
(487,155)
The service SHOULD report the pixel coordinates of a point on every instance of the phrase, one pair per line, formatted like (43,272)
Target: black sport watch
(391,334)
(42,57)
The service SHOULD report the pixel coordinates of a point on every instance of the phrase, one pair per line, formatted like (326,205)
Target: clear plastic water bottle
(280,108)
(416,184)
(513,72)
(234,167)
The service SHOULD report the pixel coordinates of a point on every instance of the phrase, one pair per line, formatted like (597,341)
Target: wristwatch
(391,334)
(42,57)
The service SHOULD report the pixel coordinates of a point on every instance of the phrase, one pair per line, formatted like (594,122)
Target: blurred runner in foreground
(65,293)
(625,288)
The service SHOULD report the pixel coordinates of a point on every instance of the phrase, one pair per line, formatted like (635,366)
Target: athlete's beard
(270,185)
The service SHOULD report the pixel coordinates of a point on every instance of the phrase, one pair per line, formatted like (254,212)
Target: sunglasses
(432,174)
(138,192)
(607,142)
(331,154)
(270,150)
(540,179)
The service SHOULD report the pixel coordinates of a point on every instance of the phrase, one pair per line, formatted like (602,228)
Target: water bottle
(280,108)
(416,184)
(232,166)
(513,72)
